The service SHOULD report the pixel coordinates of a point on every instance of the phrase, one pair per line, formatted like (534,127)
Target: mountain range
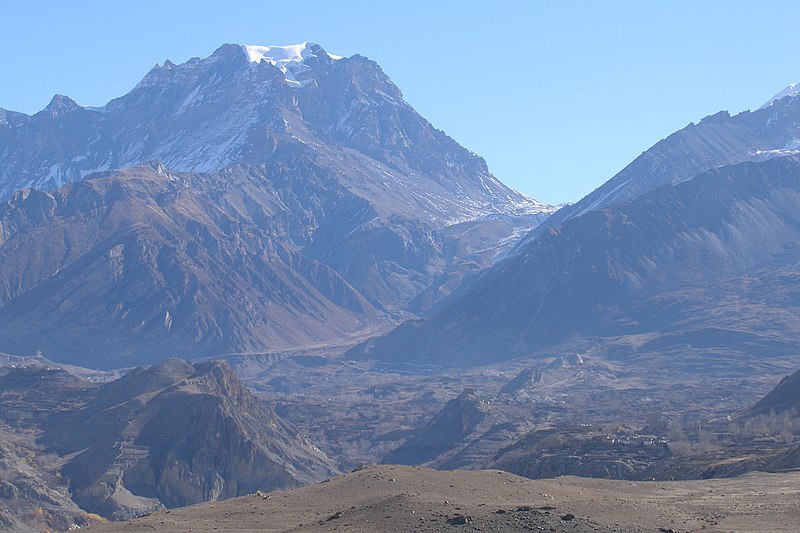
(260,199)
(710,261)
(286,210)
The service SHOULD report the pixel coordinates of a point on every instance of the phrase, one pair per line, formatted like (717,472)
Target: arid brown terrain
(395,498)
(352,287)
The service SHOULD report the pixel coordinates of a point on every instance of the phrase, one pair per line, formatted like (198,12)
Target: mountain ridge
(260,98)
(615,272)
(716,140)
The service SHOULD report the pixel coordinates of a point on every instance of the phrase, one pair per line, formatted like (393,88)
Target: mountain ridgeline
(673,246)
(242,104)
(260,199)
(717,140)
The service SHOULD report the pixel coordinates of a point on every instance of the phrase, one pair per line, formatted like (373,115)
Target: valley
(260,288)
(362,412)
(581,413)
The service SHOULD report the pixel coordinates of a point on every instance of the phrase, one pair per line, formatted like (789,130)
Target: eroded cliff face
(178,434)
(33,496)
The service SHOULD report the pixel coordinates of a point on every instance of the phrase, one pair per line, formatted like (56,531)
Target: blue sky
(557,96)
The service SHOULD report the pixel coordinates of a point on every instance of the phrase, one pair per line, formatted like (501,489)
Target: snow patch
(792,90)
(768,154)
(602,200)
(289,59)
(277,55)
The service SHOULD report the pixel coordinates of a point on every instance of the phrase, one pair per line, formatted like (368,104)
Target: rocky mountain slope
(444,431)
(298,199)
(177,434)
(710,262)
(245,104)
(30,393)
(145,264)
(718,140)
(785,397)
(33,495)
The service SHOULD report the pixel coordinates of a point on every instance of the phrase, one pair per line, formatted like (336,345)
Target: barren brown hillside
(395,498)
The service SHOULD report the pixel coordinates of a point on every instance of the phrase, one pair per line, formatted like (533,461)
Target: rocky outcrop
(449,427)
(33,496)
(177,434)
(527,379)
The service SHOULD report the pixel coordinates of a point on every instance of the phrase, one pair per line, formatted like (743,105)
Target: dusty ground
(394,499)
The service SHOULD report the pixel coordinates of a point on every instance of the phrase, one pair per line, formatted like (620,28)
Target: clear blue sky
(557,96)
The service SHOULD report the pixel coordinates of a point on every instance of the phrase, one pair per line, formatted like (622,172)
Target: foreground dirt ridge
(397,498)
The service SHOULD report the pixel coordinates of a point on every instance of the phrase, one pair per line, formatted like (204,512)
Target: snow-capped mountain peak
(254,104)
(793,89)
(289,58)
(293,53)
